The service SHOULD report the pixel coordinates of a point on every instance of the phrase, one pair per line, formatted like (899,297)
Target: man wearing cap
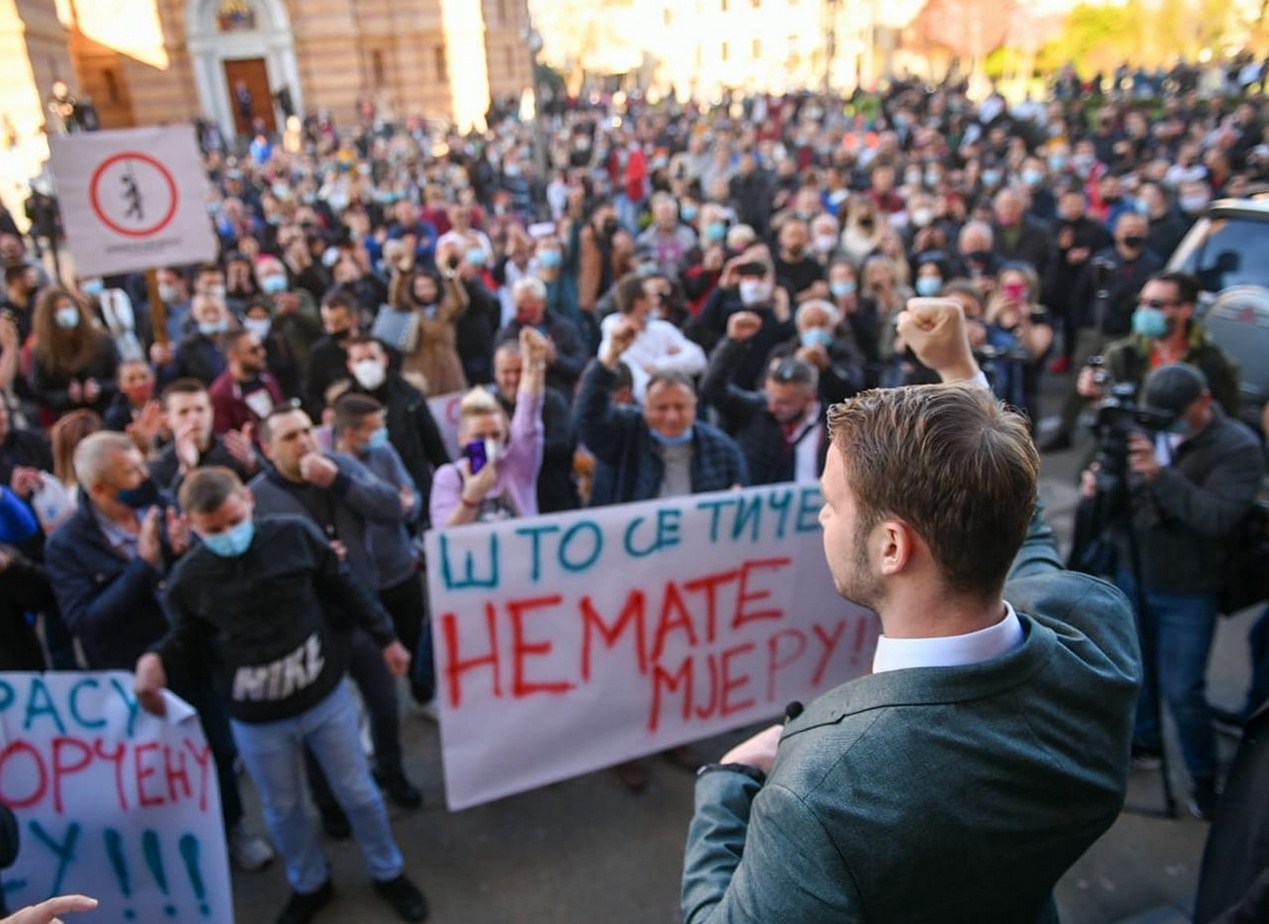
(1191,487)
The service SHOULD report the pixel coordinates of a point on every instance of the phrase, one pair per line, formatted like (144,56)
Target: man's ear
(898,546)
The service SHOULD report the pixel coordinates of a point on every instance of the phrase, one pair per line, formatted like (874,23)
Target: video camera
(1118,415)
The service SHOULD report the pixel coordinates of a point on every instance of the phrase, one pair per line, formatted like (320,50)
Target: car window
(1224,252)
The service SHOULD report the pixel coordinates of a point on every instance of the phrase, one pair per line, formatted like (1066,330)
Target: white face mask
(826,243)
(755,291)
(1193,204)
(369,374)
(258,326)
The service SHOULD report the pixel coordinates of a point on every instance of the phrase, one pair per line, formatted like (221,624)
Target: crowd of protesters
(751,256)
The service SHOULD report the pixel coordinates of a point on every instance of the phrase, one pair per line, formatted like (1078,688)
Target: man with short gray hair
(565,356)
(667,238)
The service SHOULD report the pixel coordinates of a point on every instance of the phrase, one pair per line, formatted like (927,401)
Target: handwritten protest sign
(110,800)
(444,409)
(573,642)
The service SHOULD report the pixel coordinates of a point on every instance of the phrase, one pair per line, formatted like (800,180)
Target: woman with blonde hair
(496,476)
(74,360)
(865,228)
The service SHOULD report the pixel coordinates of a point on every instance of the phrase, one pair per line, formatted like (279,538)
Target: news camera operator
(1189,486)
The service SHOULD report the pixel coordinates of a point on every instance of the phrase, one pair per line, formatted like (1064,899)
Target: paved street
(586,850)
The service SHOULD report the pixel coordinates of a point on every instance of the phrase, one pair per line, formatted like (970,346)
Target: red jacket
(230,405)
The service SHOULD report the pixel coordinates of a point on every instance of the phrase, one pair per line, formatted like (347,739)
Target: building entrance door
(249,94)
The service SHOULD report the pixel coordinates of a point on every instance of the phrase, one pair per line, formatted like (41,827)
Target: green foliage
(1153,33)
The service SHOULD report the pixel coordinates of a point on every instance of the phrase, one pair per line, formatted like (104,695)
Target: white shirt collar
(950,651)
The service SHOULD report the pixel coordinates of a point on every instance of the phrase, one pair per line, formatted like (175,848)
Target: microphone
(793,710)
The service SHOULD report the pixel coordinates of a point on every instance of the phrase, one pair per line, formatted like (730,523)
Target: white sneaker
(249,852)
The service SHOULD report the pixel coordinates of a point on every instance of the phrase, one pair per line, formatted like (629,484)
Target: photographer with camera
(1106,292)
(1189,485)
(1165,331)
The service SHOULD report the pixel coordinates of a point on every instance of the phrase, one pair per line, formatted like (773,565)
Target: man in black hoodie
(268,596)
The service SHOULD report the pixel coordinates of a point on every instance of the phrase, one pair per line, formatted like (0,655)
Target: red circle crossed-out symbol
(101,212)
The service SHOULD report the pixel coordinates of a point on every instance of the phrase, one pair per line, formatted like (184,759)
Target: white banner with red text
(569,643)
(111,801)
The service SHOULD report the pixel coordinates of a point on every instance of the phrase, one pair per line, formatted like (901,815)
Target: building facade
(701,48)
(146,62)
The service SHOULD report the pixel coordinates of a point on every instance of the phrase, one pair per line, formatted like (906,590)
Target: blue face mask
(841,289)
(66,318)
(550,259)
(688,212)
(476,256)
(1057,163)
(273,285)
(928,286)
(212,328)
(92,287)
(715,231)
(378,439)
(1033,177)
(991,177)
(233,542)
(1149,322)
(817,336)
(681,440)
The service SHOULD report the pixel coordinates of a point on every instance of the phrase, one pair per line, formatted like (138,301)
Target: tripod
(1113,507)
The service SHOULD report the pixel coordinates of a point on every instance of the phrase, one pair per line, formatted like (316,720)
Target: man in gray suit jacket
(989,746)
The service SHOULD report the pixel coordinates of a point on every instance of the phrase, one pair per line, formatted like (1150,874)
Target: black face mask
(146,494)
(979,256)
(1134,241)
(341,335)
(609,227)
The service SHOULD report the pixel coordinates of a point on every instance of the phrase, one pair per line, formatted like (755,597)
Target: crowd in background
(751,255)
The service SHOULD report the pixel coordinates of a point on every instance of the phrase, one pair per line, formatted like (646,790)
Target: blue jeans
(1183,628)
(272,753)
(627,211)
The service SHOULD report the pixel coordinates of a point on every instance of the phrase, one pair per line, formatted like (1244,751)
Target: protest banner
(444,409)
(572,642)
(111,801)
(132,199)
